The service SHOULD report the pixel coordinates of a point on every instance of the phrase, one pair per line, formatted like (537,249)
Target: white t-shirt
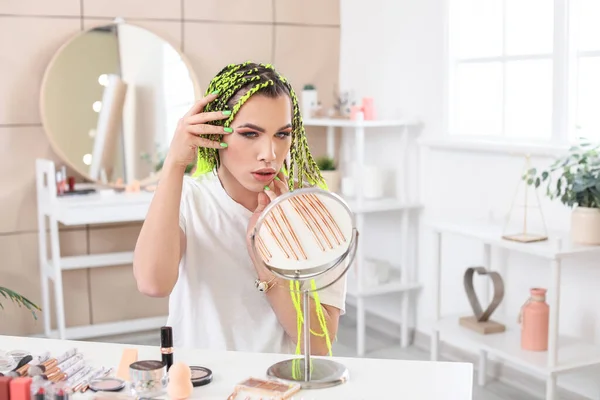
(214,303)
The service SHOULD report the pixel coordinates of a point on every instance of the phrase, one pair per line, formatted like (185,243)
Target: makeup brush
(36,370)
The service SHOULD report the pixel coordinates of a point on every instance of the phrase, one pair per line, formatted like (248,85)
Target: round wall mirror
(111,99)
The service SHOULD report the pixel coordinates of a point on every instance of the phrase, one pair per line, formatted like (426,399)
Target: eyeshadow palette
(201,376)
(263,388)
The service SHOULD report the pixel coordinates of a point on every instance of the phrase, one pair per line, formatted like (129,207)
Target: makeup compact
(148,378)
(107,384)
(201,376)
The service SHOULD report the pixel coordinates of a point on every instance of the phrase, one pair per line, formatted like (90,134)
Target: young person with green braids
(250,145)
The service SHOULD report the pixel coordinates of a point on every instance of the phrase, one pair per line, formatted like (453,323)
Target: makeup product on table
(83,384)
(253,388)
(20,388)
(180,381)
(166,345)
(35,362)
(7,362)
(66,369)
(5,387)
(19,355)
(201,376)
(128,357)
(39,388)
(148,378)
(60,391)
(107,384)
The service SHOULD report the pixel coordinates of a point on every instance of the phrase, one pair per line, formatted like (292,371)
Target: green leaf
(545,175)
(19,300)
(537,182)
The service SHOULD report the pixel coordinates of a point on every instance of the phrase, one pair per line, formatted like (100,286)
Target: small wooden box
(484,328)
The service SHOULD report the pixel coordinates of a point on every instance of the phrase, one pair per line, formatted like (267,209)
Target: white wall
(400,45)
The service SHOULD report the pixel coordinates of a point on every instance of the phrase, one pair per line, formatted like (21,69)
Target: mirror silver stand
(303,235)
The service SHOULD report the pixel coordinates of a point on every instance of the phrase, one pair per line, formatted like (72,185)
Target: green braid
(248,79)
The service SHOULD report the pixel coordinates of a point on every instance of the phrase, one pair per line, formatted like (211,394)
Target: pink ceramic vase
(535,315)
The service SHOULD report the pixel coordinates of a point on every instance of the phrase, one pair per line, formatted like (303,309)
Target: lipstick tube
(166,345)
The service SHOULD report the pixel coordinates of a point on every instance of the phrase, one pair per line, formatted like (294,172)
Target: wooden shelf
(572,353)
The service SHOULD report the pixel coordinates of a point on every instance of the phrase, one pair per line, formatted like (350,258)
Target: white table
(369,378)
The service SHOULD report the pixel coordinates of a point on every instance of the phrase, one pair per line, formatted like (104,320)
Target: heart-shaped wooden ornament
(480,315)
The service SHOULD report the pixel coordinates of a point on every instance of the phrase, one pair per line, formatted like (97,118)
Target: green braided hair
(236,83)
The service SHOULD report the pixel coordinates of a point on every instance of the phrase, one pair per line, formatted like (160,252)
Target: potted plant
(575,180)
(330,173)
(21,301)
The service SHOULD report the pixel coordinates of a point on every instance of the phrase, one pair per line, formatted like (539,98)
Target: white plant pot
(585,225)
(332,178)
(310,101)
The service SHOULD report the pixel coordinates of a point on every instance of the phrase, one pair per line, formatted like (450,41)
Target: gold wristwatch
(263,286)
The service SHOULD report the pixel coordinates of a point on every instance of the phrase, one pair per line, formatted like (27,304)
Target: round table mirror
(111,98)
(308,236)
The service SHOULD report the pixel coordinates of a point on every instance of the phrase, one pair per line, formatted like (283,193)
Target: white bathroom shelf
(76,210)
(403,204)
(572,352)
(386,288)
(95,260)
(380,205)
(563,354)
(347,123)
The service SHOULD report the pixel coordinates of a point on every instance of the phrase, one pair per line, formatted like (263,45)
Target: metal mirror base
(324,374)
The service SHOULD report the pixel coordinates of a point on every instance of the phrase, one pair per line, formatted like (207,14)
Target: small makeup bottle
(60,187)
(166,345)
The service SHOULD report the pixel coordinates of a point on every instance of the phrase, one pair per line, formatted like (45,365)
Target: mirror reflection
(111,99)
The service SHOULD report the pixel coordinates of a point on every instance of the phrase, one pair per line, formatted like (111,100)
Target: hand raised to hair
(186,140)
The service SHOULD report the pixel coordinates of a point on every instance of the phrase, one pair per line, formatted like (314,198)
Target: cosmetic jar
(148,378)
(7,362)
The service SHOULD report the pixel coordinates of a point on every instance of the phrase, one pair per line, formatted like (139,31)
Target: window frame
(564,79)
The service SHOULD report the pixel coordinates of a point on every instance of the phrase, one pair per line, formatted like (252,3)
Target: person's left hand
(278,187)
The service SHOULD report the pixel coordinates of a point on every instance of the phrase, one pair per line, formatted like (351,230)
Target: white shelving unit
(358,292)
(564,353)
(82,210)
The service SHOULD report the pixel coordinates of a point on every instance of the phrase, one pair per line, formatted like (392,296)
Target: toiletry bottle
(59,184)
(534,319)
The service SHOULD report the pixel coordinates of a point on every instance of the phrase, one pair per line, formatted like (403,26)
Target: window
(518,70)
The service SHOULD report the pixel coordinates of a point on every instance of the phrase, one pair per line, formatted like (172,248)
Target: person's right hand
(186,140)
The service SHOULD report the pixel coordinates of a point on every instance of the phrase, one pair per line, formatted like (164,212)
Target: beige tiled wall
(300,38)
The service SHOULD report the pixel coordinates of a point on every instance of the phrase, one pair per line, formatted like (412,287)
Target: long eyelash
(248,135)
